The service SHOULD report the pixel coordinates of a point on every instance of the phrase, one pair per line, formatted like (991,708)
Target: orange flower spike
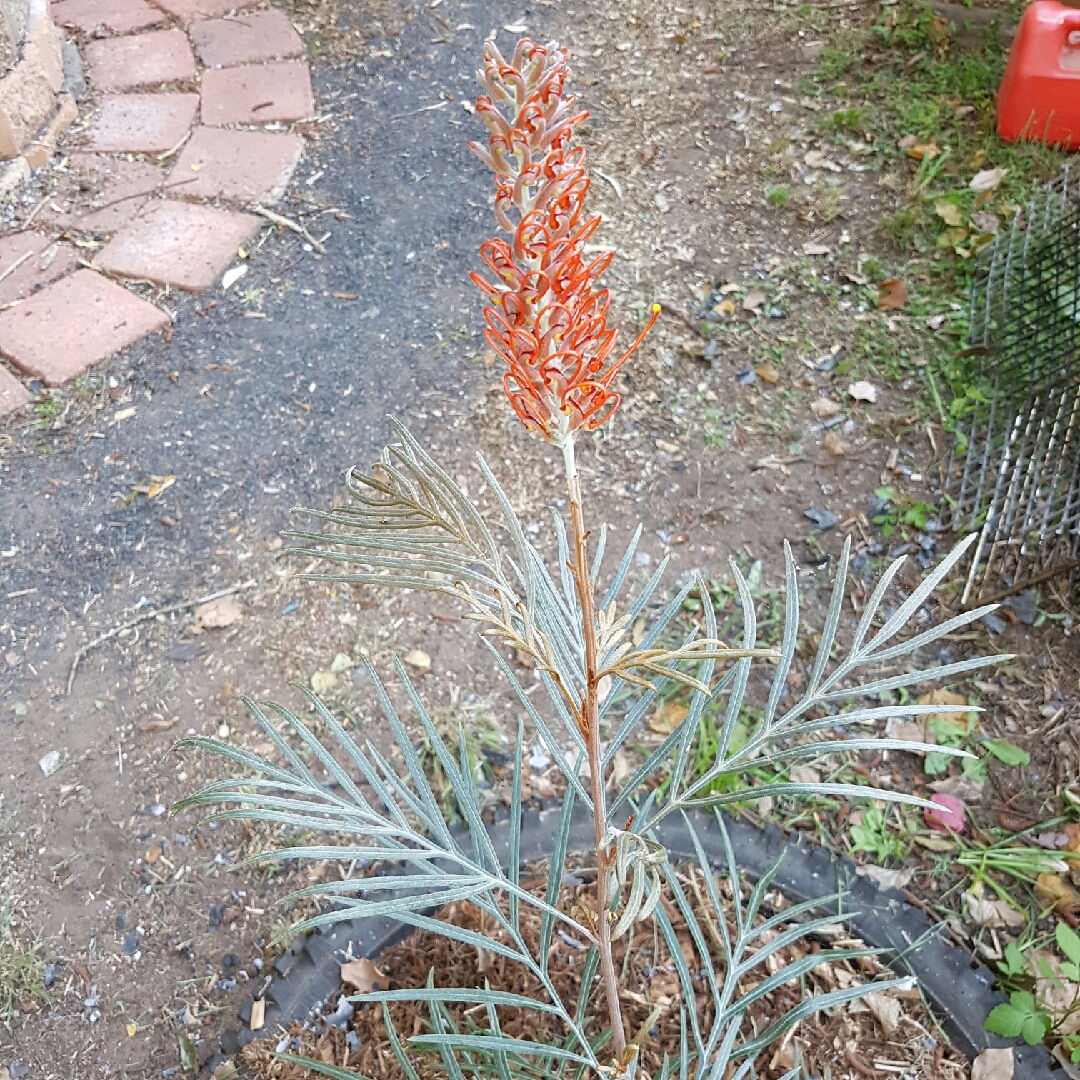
(547,319)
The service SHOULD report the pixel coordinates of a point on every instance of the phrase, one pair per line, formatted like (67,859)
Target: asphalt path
(259,412)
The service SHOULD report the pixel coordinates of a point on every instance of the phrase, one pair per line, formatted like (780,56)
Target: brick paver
(141,123)
(13,395)
(73,323)
(186,11)
(244,39)
(102,193)
(119,16)
(48,259)
(177,244)
(257,93)
(252,71)
(124,63)
(241,166)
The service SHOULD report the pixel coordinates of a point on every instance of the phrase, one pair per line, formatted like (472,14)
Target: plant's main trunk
(590,721)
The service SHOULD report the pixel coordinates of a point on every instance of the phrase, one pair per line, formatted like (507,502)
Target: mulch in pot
(890,1034)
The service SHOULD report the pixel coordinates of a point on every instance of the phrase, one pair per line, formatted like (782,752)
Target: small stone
(50,762)
(341,663)
(74,75)
(417,658)
(49,975)
(822,519)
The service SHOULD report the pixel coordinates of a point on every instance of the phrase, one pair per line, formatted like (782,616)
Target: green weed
(778,194)
(874,836)
(20,971)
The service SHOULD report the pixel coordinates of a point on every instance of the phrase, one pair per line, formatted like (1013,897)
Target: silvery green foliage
(411,526)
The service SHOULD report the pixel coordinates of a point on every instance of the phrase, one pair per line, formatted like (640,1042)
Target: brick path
(174,153)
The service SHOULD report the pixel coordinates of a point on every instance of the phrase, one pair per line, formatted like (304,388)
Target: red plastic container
(1039,98)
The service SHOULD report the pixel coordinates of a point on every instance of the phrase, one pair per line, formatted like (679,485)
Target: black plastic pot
(959,988)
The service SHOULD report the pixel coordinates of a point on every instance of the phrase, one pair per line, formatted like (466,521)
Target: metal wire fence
(1014,475)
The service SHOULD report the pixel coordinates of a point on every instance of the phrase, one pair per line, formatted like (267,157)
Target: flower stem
(590,724)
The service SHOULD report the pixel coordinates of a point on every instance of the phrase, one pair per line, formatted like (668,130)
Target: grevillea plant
(408,525)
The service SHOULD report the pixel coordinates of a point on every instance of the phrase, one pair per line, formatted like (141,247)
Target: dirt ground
(258,402)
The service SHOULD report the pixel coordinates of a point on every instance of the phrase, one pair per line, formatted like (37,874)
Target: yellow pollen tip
(656,309)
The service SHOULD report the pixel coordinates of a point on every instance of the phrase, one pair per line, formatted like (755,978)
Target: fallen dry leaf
(943,697)
(993,913)
(921,150)
(986,222)
(987,179)
(965,788)
(417,658)
(363,976)
(216,614)
(158,485)
(886,879)
(156,725)
(994,1064)
(913,731)
(667,718)
(768,372)
(153,853)
(892,294)
(863,391)
(1055,887)
(754,299)
(886,1010)
(825,408)
(835,445)
(949,212)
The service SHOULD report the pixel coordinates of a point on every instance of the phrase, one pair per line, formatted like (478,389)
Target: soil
(898,1031)
(261,398)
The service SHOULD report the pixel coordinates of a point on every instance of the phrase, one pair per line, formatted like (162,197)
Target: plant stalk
(590,721)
